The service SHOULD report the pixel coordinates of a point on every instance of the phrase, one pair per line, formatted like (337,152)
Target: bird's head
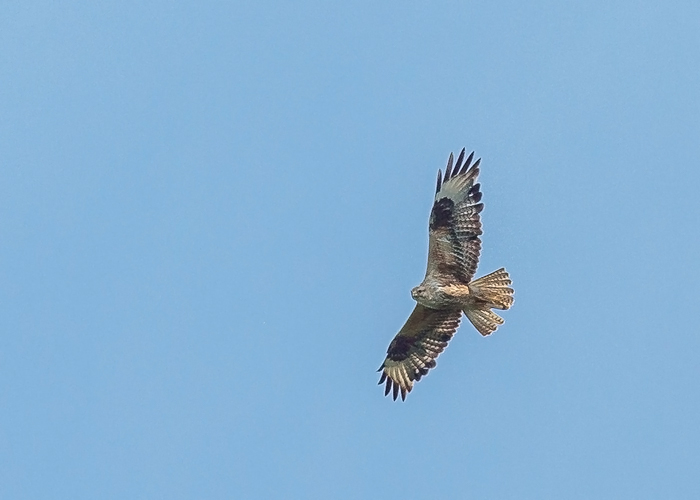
(417,292)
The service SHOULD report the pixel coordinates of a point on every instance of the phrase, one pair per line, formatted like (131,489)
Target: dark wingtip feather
(448,168)
(395,392)
(460,158)
(468,162)
(388,386)
(476,164)
(403,393)
(439,181)
(382,379)
(474,193)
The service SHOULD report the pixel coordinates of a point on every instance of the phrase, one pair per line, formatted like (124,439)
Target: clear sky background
(212,214)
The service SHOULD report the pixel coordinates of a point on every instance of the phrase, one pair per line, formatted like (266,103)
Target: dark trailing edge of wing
(474,194)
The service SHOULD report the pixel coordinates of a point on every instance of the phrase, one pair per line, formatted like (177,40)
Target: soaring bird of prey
(447,289)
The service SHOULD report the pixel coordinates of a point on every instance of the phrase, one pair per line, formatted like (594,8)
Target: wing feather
(415,348)
(455,222)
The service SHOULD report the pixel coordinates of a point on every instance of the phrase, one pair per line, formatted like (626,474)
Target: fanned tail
(490,291)
(484,320)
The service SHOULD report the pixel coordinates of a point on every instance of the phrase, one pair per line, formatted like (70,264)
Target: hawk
(447,289)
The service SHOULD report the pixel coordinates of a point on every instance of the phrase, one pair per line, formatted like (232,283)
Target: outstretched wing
(414,349)
(455,223)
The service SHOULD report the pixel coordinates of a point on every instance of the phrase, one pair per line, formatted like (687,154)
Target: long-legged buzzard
(447,289)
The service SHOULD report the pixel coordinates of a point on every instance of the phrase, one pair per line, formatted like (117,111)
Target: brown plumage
(447,290)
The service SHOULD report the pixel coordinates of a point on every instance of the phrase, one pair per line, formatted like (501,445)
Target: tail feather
(494,289)
(490,291)
(484,320)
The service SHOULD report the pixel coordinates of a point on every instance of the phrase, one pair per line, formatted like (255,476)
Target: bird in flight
(447,289)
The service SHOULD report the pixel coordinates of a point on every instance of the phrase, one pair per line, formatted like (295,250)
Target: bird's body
(447,289)
(436,295)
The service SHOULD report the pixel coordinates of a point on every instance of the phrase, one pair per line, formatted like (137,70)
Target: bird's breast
(441,296)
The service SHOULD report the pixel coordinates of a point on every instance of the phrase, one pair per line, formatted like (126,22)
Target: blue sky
(212,215)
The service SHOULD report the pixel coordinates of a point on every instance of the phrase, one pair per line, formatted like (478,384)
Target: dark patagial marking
(398,349)
(441,215)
